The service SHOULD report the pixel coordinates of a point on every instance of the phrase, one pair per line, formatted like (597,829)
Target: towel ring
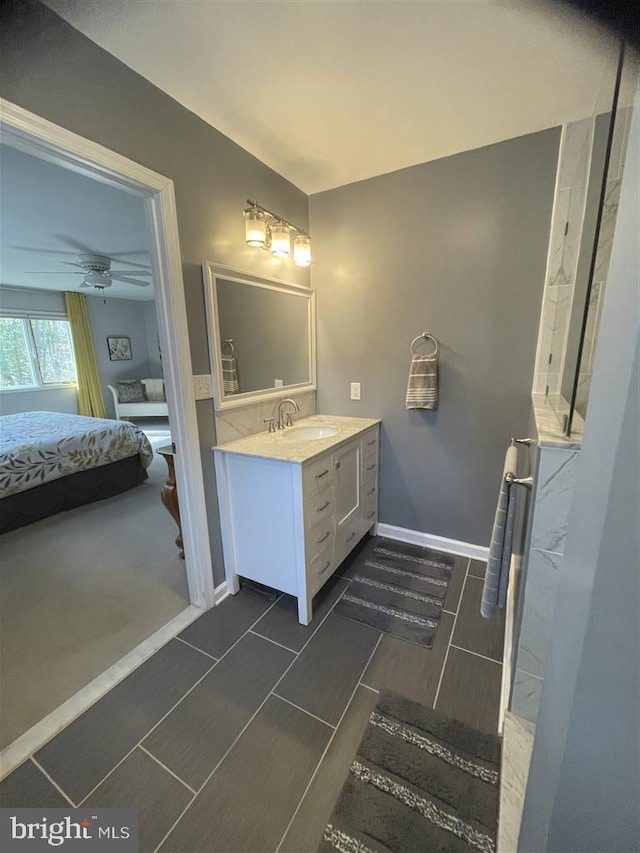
(229,343)
(427,337)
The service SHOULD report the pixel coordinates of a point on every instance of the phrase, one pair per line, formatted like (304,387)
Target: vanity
(295,503)
(295,496)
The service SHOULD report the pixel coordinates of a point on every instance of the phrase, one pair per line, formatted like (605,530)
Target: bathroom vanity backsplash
(232,424)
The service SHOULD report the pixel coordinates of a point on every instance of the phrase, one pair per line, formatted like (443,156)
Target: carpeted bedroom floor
(81,589)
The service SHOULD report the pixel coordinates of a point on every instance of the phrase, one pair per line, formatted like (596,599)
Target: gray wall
(64,400)
(583,785)
(457,247)
(153,344)
(118,317)
(56,72)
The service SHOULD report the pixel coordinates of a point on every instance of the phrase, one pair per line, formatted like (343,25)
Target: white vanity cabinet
(289,523)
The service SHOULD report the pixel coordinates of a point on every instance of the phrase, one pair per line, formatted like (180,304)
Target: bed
(50,462)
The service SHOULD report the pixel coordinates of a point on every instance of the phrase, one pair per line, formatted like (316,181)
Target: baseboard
(220,592)
(428,540)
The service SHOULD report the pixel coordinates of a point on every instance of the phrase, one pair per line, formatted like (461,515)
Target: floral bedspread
(36,447)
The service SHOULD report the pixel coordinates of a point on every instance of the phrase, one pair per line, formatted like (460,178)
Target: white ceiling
(49,214)
(327,93)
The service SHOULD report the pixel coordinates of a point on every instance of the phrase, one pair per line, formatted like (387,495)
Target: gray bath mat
(419,782)
(400,589)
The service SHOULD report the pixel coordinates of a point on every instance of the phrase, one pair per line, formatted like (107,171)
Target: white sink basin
(310,433)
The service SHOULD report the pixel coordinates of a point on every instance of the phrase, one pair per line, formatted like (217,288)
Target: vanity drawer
(370,469)
(317,475)
(369,512)
(370,491)
(319,538)
(318,508)
(370,443)
(320,568)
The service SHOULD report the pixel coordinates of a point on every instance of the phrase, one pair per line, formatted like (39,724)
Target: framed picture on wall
(119,348)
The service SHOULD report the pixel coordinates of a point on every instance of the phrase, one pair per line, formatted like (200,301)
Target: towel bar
(527,441)
(527,482)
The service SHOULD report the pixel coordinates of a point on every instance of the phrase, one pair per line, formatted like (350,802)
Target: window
(35,352)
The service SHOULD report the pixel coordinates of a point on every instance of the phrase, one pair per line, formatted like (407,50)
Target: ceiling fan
(97,272)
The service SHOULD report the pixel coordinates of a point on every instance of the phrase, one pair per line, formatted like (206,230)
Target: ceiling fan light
(280,244)
(301,250)
(255,227)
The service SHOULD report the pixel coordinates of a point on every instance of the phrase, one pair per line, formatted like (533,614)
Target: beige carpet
(81,589)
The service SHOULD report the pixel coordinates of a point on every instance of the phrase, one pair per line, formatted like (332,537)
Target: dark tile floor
(238,734)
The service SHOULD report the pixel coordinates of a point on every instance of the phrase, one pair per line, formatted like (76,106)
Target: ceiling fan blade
(42,251)
(54,272)
(76,245)
(130,272)
(130,280)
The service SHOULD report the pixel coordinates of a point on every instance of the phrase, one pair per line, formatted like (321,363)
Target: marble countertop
(284,446)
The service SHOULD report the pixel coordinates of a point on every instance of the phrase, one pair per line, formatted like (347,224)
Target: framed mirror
(261,336)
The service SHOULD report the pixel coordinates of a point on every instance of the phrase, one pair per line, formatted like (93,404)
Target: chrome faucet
(281,413)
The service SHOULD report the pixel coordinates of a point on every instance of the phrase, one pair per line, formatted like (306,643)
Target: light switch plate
(355,390)
(202,386)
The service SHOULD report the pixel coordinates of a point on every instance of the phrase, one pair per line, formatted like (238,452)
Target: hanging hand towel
(230,381)
(422,388)
(496,578)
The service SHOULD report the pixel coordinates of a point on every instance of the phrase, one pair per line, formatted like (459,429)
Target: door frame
(22,129)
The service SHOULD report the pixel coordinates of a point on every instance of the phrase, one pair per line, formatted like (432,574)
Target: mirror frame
(211,272)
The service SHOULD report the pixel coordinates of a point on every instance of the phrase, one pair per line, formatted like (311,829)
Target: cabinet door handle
(370,443)
(370,467)
(372,513)
(325,567)
(322,538)
(324,506)
(323,474)
(338,464)
(350,537)
(371,491)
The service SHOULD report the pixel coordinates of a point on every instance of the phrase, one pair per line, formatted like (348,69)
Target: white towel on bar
(154,389)
(496,578)
(422,387)
(230,380)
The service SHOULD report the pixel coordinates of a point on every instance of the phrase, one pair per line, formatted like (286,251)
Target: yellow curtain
(90,400)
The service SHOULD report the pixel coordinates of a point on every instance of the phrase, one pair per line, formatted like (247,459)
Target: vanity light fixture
(267,230)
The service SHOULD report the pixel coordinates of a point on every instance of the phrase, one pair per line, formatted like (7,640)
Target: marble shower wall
(554,480)
(564,247)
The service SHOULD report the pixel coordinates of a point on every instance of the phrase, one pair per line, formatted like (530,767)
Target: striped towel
(422,388)
(230,380)
(496,579)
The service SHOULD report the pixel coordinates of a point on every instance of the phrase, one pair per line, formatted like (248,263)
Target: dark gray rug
(400,589)
(419,782)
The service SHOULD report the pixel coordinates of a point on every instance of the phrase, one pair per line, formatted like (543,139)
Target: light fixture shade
(301,250)
(255,227)
(280,245)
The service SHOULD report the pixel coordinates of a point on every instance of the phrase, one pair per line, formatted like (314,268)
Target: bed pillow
(130,391)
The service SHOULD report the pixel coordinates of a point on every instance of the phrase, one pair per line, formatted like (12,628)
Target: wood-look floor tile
(249,801)
(83,753)
(219,628)
(281,622)
(477,568)
(472,632)
(409,669)
(140,783)
(470,690)
(193,738)
(324,676)
(28,788)
(305,833)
